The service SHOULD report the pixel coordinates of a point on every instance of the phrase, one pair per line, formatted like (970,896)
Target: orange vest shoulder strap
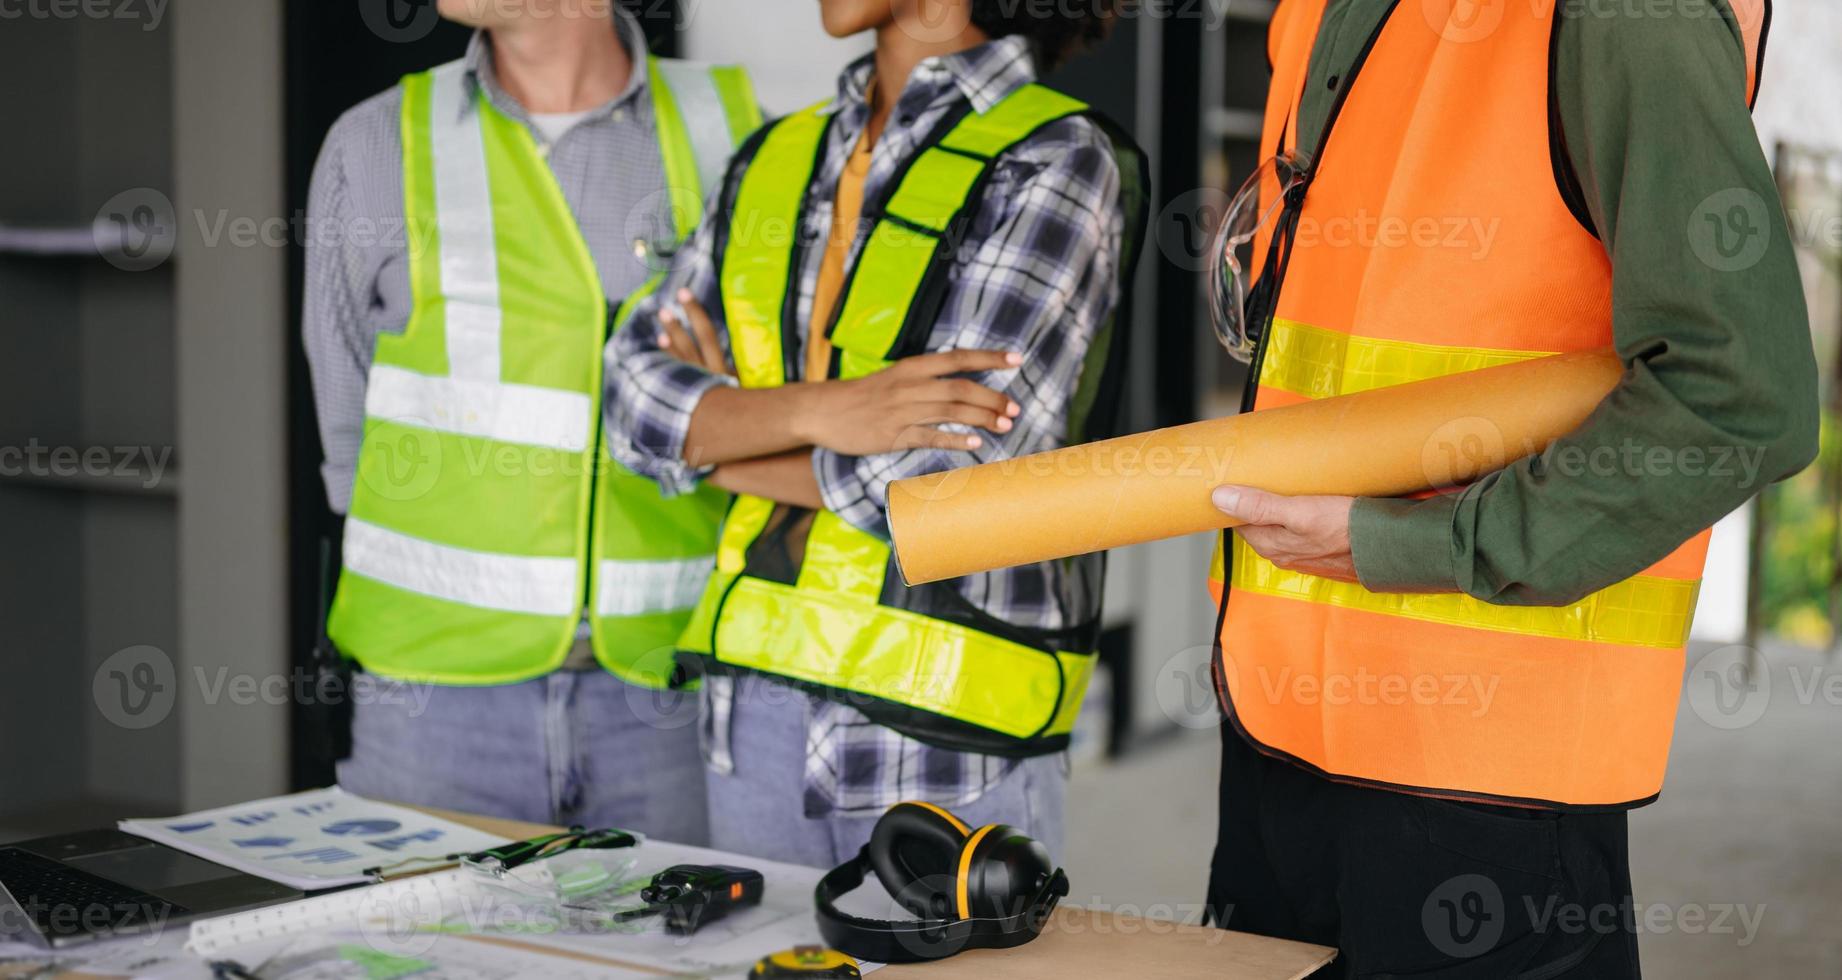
(1276,30)
(1754,18)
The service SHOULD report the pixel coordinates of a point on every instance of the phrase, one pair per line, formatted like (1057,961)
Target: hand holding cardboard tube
(1153,485)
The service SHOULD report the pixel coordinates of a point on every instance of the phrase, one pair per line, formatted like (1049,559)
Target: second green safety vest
(803,595)
(487,517)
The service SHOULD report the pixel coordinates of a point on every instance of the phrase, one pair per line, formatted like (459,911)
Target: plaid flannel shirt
(1038,273)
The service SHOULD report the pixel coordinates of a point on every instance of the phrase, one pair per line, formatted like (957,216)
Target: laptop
(75,888)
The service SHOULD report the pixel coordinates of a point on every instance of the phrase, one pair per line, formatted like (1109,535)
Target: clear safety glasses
(1230,279)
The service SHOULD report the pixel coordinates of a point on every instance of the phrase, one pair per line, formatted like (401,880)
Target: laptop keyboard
(66,902)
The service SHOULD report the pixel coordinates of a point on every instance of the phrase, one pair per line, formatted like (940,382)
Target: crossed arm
(1037,280)
(760,440)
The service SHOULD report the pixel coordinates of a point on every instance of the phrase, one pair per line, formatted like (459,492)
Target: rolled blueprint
(1430,434)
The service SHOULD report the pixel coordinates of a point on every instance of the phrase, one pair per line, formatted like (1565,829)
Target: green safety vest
(804,596)
(488,518)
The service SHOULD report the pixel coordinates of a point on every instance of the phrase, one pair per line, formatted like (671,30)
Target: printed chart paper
(322,838)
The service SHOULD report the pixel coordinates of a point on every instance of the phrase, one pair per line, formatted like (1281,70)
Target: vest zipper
(590,552)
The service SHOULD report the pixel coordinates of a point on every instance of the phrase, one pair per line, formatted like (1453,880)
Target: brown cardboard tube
(1153,485)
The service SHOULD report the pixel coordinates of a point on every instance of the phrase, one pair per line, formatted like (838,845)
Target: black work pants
(1411,886)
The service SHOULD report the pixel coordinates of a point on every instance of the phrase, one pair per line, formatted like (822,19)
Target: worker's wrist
(805,411)
(1404,545)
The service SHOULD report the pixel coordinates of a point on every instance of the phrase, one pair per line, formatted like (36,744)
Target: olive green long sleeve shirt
(1719,398)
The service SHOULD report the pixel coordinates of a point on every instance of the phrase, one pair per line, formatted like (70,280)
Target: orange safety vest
(1445,126)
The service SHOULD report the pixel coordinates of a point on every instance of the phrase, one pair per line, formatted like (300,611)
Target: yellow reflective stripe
(1644,610)
(950,670)
(1073,696)
(854,365)
(1019,114)
(762,235)
(882,288)
(700,110)
(683,184)
(740,106)
(898,254)
(635,587)
(464,212)
(841,558)
(747,516)
(527,415)
(507,582)
(935,188)
(423,344)
(1317,363)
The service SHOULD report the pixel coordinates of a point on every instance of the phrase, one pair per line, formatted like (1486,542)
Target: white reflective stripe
(705,122)
(511,583)
(524,414)
(463,215)
(633,588)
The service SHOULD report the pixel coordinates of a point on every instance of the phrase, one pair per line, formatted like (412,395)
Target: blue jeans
(759,809)
(573,747)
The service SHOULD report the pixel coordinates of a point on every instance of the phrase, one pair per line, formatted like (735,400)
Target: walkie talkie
(687,897)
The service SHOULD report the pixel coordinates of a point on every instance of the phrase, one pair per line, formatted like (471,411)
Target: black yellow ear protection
(988,888)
